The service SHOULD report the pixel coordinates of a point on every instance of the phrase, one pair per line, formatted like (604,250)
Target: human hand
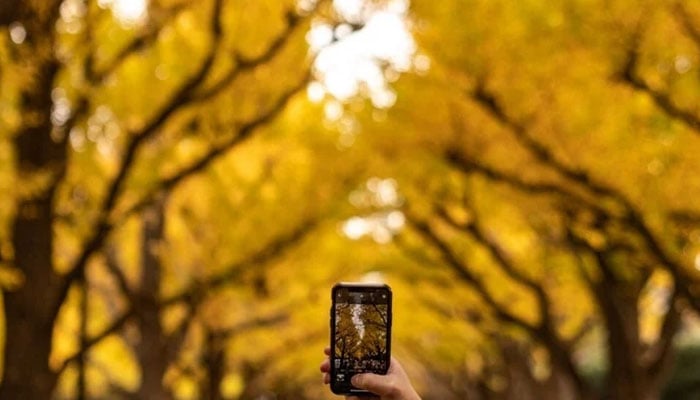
(395,385)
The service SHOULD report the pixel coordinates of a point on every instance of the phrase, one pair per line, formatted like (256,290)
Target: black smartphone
(360,333)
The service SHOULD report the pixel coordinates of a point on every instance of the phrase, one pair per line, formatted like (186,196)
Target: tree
(559,210)
(374,322)
(71,122)
(347,336)
(167,188)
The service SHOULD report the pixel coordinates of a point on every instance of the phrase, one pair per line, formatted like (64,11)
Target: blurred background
(182,182)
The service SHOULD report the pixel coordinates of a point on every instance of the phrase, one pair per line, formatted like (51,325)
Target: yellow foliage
(529,143)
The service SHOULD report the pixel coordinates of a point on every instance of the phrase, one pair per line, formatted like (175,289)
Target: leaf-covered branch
(465,273)
(611,291)
(257,322)
(686,217)
(624,210)
(194,294)
(266,254)
(544,332)
(520,131)
(689,24)
(220,149)
(505,264)
(469,165)
(246,64)
(90,342)
(138,43)
(662,99)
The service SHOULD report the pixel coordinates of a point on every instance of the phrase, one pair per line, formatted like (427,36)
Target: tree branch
(112,265)
(631,216)
(662,100)
(464,273)
(180,98)
(251,324)
(489,102)
(543,333)
(106,224)
(462,163)
(682,278)
(505,264)
(137,44)
(657,357)
(268,253)
(244,132)
(688,23)
(686,217)
(114,327)
(244,65)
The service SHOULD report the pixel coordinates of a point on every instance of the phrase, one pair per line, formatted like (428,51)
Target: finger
(326,379)
(382,385)
(327,351)
(325,365)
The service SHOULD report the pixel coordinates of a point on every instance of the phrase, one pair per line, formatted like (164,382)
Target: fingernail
(356,380)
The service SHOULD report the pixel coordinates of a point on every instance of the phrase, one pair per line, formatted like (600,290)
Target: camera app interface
(361,333)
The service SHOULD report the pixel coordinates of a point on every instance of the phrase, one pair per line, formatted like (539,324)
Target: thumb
(381,385)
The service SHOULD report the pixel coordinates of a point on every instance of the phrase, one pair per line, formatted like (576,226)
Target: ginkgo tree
(554,178)
(110,109)
(523,174)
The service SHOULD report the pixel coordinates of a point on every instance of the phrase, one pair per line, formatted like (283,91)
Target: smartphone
(360,333)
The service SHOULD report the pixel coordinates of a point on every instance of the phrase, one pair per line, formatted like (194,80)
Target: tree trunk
(214,358)
(8,11)
(152,350)
(30,310)
(628,377)
(29,323)
(521,384)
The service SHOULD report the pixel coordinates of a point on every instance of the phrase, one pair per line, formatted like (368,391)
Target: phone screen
(360,333)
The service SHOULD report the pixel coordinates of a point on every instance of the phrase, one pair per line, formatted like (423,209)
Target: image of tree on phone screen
(360,339)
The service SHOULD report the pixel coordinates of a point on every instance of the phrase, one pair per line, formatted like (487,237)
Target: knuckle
(393,388)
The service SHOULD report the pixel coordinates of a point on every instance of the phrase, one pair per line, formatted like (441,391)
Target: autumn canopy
(182,182)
